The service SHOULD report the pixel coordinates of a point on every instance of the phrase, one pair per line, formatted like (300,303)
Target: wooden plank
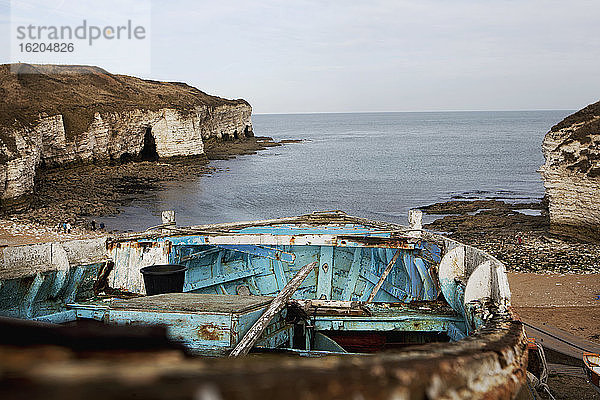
(199,332)
(559,341)
(246,343)
(386,272)
(352,275)
(27,305)
(279,274)
(204,283)
(325,278)
(199,254)
(297,239)
(217,268)
(329,307)
(566,370)
(261,251)
(73,286)
(193,303)
(59,317)
(368,280)
(267,284)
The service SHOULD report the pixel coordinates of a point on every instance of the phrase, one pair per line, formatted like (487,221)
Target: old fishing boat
(395,309)
(591,363)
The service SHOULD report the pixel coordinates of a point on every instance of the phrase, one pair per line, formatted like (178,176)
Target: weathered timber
(386,272)
(490,365)
(246,343)
(85,336)
(560,346)
(329,307)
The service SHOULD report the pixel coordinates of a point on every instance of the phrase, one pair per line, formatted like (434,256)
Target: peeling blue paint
(218,265)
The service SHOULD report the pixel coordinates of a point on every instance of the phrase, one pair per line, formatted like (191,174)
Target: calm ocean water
(374,165)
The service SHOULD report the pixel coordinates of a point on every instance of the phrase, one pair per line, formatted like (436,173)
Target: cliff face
(571,173)
(57,115)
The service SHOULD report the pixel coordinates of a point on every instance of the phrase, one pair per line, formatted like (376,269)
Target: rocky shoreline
(524,243)
(78,194)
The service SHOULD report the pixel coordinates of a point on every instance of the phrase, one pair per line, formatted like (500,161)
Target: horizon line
(410,111)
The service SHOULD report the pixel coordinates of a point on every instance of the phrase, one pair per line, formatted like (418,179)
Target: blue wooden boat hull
(435,287)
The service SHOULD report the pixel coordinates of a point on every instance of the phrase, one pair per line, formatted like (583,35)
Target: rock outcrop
(53,116)
(571,173)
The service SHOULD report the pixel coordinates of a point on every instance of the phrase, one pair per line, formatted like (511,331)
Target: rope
(531,391)
(543,379)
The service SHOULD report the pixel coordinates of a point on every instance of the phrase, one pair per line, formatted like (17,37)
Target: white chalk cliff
(58,115)
(571,173)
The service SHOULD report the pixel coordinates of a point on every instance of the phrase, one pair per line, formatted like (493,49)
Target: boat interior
(374,286)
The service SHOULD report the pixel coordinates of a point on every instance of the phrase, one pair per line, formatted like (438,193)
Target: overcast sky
(344,56)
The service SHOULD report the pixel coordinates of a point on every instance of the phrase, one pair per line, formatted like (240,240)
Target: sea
(373,165)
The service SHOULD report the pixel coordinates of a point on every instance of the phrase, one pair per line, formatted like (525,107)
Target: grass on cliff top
(586,114)
(586,162)
(78,92)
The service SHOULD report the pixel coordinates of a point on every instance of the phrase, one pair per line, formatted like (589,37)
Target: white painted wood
(451,269)
(502,284)
(281,240)
(129,259)
(168,217)
(415,221)
(480,283)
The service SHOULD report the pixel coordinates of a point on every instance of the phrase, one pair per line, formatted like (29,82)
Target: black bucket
(167,278)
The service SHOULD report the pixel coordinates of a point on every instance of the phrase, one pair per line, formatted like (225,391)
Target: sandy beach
(566,301)
(14,232)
